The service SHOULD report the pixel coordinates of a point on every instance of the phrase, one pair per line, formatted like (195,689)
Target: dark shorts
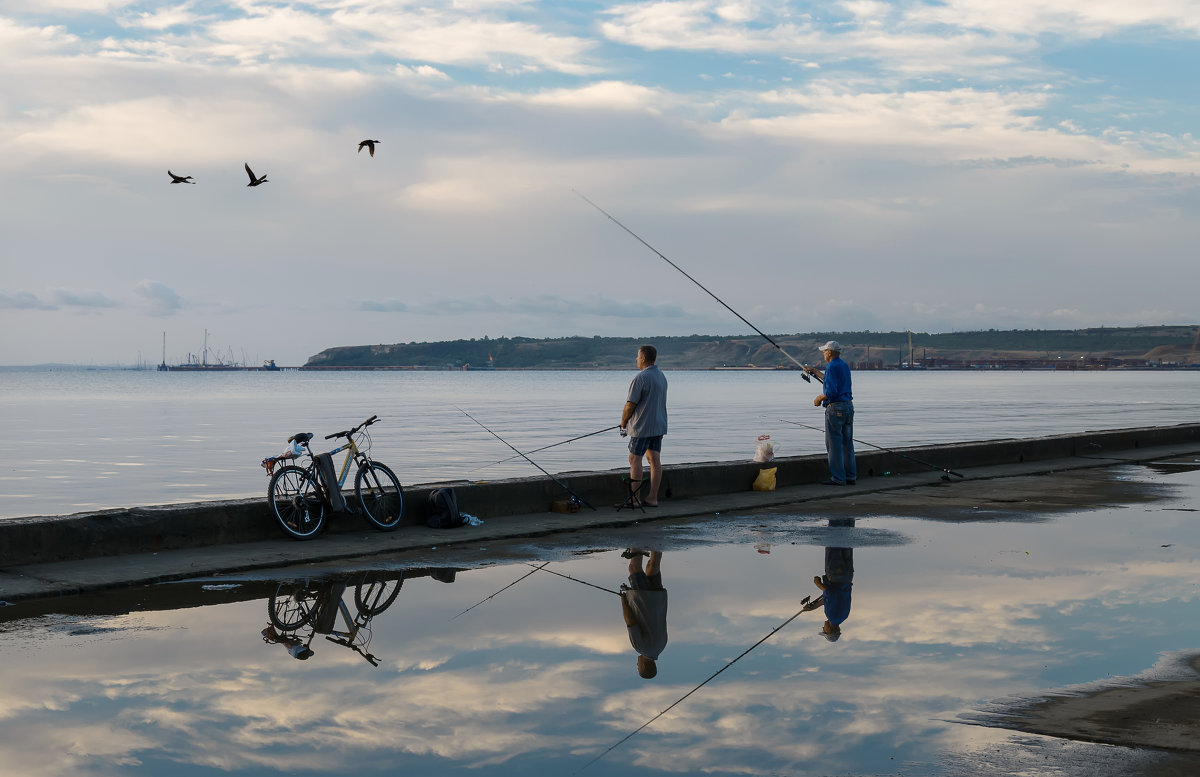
(639,445)
(640,581)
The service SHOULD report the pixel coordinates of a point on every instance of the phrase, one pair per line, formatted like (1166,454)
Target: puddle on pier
(468,661)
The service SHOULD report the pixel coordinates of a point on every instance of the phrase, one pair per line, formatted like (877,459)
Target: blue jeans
(839,441)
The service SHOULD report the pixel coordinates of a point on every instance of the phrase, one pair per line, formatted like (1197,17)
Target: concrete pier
(54,555)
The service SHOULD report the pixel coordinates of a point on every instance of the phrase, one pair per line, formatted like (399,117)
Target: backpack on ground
(443,509)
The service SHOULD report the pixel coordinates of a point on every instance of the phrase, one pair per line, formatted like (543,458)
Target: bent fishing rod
(698,687)
(552,445)
(948,472)
(502,590)
(765,336)
(565,487)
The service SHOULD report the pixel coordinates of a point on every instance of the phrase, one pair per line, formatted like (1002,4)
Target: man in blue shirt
(839,416)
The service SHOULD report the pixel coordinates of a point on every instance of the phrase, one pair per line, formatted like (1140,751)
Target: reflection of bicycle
(294,606)
(299,497)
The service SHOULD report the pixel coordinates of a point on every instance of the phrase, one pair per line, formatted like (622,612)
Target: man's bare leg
(655,460)
(652,566)
(635,474)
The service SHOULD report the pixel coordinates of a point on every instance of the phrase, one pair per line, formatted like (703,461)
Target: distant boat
(202,363)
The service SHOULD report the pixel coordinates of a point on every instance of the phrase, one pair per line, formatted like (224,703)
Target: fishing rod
(502,590)
(698,687)
(553,445)
(946,476)
(765,336)
(567,488)
(577,580)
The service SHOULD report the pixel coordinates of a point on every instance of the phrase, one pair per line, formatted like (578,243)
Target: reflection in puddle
(760,663)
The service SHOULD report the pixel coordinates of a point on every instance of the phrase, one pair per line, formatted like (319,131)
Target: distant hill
(1104,346)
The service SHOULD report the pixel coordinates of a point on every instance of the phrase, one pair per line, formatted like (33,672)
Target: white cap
(832,345)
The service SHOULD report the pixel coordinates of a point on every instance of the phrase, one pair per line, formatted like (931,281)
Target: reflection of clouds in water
(928,638)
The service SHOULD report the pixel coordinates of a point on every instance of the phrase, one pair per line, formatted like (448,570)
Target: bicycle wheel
(291,606)
(296,502)
(380,495)
(372,598)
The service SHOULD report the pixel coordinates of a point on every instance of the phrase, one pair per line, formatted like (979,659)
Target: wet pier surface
(976,611)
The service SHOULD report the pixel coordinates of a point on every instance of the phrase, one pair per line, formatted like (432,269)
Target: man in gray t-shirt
(644,419)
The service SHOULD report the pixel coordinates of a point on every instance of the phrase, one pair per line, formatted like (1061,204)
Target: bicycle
(317,605)
(299,497)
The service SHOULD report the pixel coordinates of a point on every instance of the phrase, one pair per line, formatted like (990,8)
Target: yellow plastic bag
(765,480)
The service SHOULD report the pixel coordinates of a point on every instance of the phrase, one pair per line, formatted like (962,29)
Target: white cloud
(602,95)
(161,299)
(83,299)
(23,300)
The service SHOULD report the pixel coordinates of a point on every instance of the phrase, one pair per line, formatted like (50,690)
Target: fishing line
(706,291)
(888,450)
(577,580)
(567,488)
(546,447)
(689,693)
(502,590)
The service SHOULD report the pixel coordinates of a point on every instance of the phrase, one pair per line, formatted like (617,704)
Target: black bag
(328,476)
(443,509)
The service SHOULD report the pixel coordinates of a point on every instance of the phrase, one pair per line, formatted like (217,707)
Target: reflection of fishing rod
(948,472)
(577,580)
(689,693)
(502,590)
(574,495)
(706,291)
(553,445)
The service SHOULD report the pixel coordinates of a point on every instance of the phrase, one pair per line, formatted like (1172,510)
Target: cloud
(425,72)
(161,299)
(23,300)
(83,299)
(606,95)
(545,305)
(384,306)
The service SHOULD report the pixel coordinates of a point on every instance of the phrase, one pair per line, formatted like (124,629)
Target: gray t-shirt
(648,391)
(648,634)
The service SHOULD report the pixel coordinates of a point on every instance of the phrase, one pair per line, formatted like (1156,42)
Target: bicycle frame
(352,454)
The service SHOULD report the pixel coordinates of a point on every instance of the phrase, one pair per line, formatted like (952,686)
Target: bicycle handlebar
(349,432)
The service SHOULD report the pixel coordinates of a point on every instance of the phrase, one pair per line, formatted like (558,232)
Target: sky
(856,165)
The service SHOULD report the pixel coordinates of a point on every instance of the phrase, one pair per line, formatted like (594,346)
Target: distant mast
(162,367)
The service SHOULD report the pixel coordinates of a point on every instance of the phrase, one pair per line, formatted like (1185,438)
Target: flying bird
(255,181)
(370,144)
(180,178)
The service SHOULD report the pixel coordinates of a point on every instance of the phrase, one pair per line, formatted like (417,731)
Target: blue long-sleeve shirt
(837,381)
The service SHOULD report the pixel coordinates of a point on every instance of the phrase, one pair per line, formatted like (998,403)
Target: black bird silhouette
(255,181)
(180,178)
(370,144)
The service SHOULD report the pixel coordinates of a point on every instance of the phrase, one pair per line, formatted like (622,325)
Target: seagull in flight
(255,181)
(370,144)
(180,178)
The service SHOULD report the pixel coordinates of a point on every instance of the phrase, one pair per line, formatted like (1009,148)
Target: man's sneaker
(831,482)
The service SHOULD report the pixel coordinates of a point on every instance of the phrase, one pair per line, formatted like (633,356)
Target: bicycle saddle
(301,438)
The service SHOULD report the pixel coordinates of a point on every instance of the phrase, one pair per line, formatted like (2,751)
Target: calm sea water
(85,440)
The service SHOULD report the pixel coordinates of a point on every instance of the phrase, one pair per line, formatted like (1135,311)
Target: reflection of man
(839,415)
(644,418)
(644,605)
(835,586)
